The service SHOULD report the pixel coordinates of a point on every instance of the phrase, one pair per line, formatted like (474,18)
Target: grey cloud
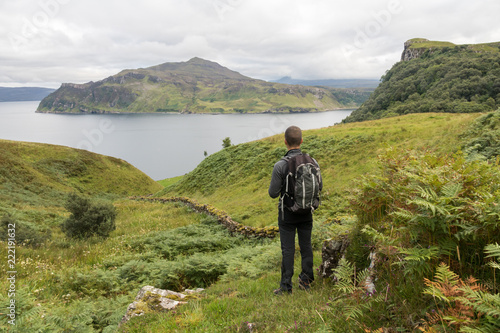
(47,42)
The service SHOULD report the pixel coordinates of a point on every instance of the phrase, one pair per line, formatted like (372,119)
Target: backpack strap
(288,184)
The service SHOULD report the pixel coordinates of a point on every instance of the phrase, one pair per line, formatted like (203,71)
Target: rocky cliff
(416,47)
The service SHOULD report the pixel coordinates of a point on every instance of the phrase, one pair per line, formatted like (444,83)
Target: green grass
(36,178)
(237,178)
(170,181)
(45,274)
(418,43)
(230,306)
(427,44)
(98,278)
(70,285)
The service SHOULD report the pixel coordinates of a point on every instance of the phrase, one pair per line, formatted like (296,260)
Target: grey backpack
(302,184)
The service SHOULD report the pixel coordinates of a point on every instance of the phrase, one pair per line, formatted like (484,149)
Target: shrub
(88,218)
(482,140)
(226,143)
(206,237)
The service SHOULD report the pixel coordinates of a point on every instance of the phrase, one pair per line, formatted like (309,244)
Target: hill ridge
(194,86)
(20,94)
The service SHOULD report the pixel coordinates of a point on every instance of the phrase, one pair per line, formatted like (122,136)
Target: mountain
(23,94)
(334,83)
(437,77)
(195,86)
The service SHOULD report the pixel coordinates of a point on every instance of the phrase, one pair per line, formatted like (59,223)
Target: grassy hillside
(437,77)
(36,178)
(426,213)
(416,179)
(236,179)
(195,86)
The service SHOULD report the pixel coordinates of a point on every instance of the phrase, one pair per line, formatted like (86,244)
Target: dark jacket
(277,188)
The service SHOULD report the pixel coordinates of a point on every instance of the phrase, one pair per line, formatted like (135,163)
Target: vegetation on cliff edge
(455,79)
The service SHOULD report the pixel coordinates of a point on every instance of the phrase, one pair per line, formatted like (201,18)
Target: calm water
(161,145)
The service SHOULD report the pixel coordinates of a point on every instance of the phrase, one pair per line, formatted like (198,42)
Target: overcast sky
(47,42)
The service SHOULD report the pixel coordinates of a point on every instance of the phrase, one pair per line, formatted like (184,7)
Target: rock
(369,283)
(333,250)
(410,52)
(151,299)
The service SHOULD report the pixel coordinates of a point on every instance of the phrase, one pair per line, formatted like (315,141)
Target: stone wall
(222,217)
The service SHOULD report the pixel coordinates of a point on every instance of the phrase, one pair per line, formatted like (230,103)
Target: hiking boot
(304,285)
(279,292)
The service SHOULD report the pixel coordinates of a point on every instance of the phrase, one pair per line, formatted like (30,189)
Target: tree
(226,142)
(88,218)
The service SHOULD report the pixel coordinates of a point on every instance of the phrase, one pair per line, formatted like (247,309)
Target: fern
(427,193)
(404,215)
(493,250)
(444,285)
(417,260)
(351,283)
(348,280)
(451,189)
(29,318)
(344,277)
(79,318)
(424,204)
(468,306)
(28,313)
(482,302)
(377,236)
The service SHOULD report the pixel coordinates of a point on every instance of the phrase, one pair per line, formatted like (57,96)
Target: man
(289,222)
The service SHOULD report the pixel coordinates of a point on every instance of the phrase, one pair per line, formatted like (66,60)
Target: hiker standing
(297,180)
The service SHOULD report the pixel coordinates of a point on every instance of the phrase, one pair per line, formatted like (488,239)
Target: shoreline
(191,113)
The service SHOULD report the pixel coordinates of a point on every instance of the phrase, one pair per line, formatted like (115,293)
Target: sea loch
(154,143)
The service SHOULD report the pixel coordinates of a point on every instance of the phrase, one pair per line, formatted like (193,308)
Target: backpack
(302,184)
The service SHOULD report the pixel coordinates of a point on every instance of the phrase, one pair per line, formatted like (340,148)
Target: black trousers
(287,238)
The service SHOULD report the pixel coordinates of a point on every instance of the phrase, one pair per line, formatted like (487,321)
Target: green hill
(437,77)
(195,86)
(36,178)
(236,179)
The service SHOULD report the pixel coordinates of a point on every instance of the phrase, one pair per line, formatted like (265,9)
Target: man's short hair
(293,136)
